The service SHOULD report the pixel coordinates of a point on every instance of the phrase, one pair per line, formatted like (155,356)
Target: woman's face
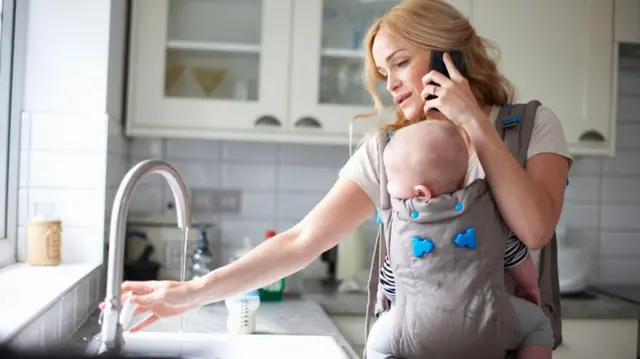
(403,65)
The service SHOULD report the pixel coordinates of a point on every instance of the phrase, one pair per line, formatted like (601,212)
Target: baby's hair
(432,152)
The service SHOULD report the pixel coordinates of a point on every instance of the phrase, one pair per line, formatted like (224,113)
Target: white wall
(71,125)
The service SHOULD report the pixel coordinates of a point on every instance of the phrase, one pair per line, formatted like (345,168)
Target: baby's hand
(530,294)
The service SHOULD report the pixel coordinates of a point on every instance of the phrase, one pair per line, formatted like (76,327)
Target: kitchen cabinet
(582,338)
(291,70)
(209,68)
(627,21)
(561,53)
(239,77)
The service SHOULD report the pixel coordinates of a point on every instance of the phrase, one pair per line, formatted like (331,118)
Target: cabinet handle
(592,136)
(267,120)
(309,122)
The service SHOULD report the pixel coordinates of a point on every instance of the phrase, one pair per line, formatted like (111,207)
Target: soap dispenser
(202,259)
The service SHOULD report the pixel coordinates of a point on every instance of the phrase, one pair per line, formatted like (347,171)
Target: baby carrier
(451,245)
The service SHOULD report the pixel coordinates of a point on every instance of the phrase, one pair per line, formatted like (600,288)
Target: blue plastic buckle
(511,122)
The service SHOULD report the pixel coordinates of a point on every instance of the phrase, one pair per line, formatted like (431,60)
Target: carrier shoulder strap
(515,126)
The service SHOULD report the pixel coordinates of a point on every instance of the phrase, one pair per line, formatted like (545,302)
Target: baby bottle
(242,312)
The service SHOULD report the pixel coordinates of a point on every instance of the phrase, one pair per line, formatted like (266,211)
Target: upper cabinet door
(327,67)
(209,64)
(627,21)
(561,53)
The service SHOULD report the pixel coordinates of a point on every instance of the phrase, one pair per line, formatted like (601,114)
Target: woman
(398,52)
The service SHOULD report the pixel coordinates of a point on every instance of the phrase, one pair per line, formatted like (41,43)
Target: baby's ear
(423,192)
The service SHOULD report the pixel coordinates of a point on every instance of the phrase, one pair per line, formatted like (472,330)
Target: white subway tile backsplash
(624,163)
(74,207)
(258,205)
(618,271)
(31,336)
(629,81)
(51,323)
(248,177)
(147,198)
(586,166)
(50,131)
(187,149)
(66,169)
(25,131)
(117,167)
(586,239)
(583,190)
(580,216)
(25,166)
(340,156)
(305,155)
(198,174)
(306,178)
(621,190)
(628,111)
(620,217)
(249,152)
(146,148)
(79,244)
(624,245)
(67,313)
(627,136)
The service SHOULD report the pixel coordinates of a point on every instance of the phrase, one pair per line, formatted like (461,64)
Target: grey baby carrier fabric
(460,232)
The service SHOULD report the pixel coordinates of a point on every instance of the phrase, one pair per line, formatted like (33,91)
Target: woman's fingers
(150,319)
(139,287)
(454,73)
(436,77)
(430,90)
(123,298)
(431,104)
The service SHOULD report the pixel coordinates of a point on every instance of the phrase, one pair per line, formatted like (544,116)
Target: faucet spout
(112,331)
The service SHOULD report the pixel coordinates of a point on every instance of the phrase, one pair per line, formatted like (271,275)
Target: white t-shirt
(547,137)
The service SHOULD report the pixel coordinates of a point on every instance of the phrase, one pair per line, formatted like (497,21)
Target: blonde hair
(436,25)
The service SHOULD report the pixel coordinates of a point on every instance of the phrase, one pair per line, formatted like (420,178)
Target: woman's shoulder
(547,135)
(364,165)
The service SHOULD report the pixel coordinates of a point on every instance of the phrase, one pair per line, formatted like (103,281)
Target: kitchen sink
(230,346)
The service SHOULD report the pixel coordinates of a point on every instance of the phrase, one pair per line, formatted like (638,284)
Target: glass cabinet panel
(213,49)
(344,23)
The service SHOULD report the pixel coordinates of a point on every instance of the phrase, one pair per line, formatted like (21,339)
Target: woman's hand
(454,97)
(161,298)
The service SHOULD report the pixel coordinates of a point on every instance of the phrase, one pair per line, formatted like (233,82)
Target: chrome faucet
(112,339)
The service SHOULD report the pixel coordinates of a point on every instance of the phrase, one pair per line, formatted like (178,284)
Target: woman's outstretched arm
(345,207)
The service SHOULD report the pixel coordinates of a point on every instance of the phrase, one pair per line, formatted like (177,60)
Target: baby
(429,159)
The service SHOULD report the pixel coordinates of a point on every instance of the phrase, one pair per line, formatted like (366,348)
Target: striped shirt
(515,253)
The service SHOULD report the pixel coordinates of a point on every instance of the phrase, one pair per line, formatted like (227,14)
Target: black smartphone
(437,63)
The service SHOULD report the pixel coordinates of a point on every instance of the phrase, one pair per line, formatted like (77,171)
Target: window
(9,136)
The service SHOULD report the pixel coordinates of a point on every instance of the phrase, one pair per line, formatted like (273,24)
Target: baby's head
(425,159)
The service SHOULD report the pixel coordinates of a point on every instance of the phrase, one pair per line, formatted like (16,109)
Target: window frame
(12,43)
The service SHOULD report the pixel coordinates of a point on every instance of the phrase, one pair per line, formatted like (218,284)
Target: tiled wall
(69,172)
(70,135)
(281,183)
(602,201)
(63,317)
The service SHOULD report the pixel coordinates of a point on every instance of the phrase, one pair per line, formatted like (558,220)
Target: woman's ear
(423,192)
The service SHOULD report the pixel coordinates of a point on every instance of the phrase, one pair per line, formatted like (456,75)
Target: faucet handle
(126,313)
